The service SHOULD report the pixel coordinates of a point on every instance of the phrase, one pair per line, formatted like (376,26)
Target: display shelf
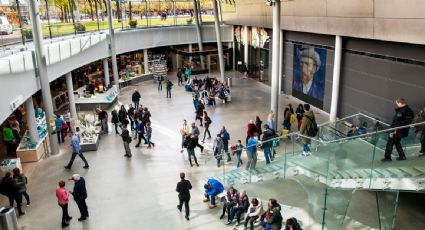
(102,100)
(9,164)
(28,151)
(89,132)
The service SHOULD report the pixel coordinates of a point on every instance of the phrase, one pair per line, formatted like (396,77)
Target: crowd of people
(206,90)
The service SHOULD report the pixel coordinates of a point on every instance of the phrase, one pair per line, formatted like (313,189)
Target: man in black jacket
(80,195)
(183,188)
(10,189)
(136,98)
(403,116)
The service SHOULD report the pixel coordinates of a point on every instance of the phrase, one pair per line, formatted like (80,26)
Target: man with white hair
(80,195)
(305,81)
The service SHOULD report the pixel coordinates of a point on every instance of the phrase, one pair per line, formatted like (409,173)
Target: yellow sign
(228,6)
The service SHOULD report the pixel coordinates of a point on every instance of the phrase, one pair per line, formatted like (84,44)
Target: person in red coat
(251,130)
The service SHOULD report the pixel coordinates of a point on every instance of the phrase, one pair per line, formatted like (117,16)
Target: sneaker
(86,167)
(187,217)
(197,165)
(67,167)
(179,208)
(308,153)
(304,154)
(81,218)
(202,149)
(228,223)
(212,206)
(181,150)
(237,224)
(65,225)
(206,200)
(28,204)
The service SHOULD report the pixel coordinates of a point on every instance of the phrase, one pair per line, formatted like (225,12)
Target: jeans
(65,215)
(82,206)
(207,130)
(159,86)
(18,198)
(238,161)
(74,154)
(169,93)
(148,137)
(27,197)
(252,160)
(185,201)
(136,104)
(265,225)
(59,134)
(236,212)
(306,148)
(195,104)
(190,154)
(141,136)
(250,220)
(104,125)
(395,140)
(268,154)
(116,128)
(211,198)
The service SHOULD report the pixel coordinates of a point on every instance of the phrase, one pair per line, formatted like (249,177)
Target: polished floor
(139,193)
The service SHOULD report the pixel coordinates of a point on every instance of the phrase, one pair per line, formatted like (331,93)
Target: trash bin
(8,219)
(229,81)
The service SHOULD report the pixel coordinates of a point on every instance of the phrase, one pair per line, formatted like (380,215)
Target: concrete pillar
(146,61)
(245,55)
(32,124)
(106,72)
(70,89)
(112,44)
(336,78)
(200,11)
(219,44)
(42,71)
(275,61)
(280,62)
(198,25)
(190,52)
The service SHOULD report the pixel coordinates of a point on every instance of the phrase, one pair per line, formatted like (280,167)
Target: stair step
(420,168)
(411,171)
(383,172)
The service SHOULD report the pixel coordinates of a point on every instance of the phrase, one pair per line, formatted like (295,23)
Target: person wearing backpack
(307,127)
(225,136)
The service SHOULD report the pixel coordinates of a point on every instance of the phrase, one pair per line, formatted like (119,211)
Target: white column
(280,62)
(32,124)
(245,55)
(106,71)
(70,89)
(275,61)
(42,71)
(219,44)
(146,61)
(190,52)
(336,78)
(198,25)
(112,44)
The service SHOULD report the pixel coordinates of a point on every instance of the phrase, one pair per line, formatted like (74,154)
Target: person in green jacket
(9,140)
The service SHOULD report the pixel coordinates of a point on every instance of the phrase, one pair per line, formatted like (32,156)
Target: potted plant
(189,21)
(80,28)
(27,33)
(133,23)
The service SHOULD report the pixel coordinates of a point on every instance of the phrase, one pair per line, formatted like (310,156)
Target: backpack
(209,121)
(313,129)
(292,118)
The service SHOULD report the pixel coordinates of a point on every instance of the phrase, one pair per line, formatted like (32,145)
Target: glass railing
(332,173)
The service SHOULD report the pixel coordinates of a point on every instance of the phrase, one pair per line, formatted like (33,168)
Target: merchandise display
(112,94)
(26,143)
(159,66)
(9,164)
(89,132)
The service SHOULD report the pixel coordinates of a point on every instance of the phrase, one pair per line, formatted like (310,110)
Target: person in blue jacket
(212,188)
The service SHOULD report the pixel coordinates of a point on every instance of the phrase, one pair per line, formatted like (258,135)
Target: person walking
(115,120)
(225,136)
(168,87)
(131,115)
(251,151)
(267,143)
(80,195)
(10,189)
(21,183)
(160,80)
(126,138)
(148,132)
(103,119)
(195,99)
(206,121)
(184,131)
(76,150)
(140,131)
(58,123)
(403,116)
(420,130)
(135,98)
(200,112)
(183,188)
(63,198)
(238,152)
(218,148)
(306,125)
(194,133)
(190,146)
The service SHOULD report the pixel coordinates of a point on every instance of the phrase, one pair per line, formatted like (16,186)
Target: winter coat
(21,183)
(114,117)
(216,187)
(306,123)
(80,192)
(136,96)
(403,116)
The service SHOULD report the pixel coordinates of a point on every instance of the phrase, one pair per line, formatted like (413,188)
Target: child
(238,151)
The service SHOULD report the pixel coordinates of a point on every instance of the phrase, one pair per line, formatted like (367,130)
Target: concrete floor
(139,193)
